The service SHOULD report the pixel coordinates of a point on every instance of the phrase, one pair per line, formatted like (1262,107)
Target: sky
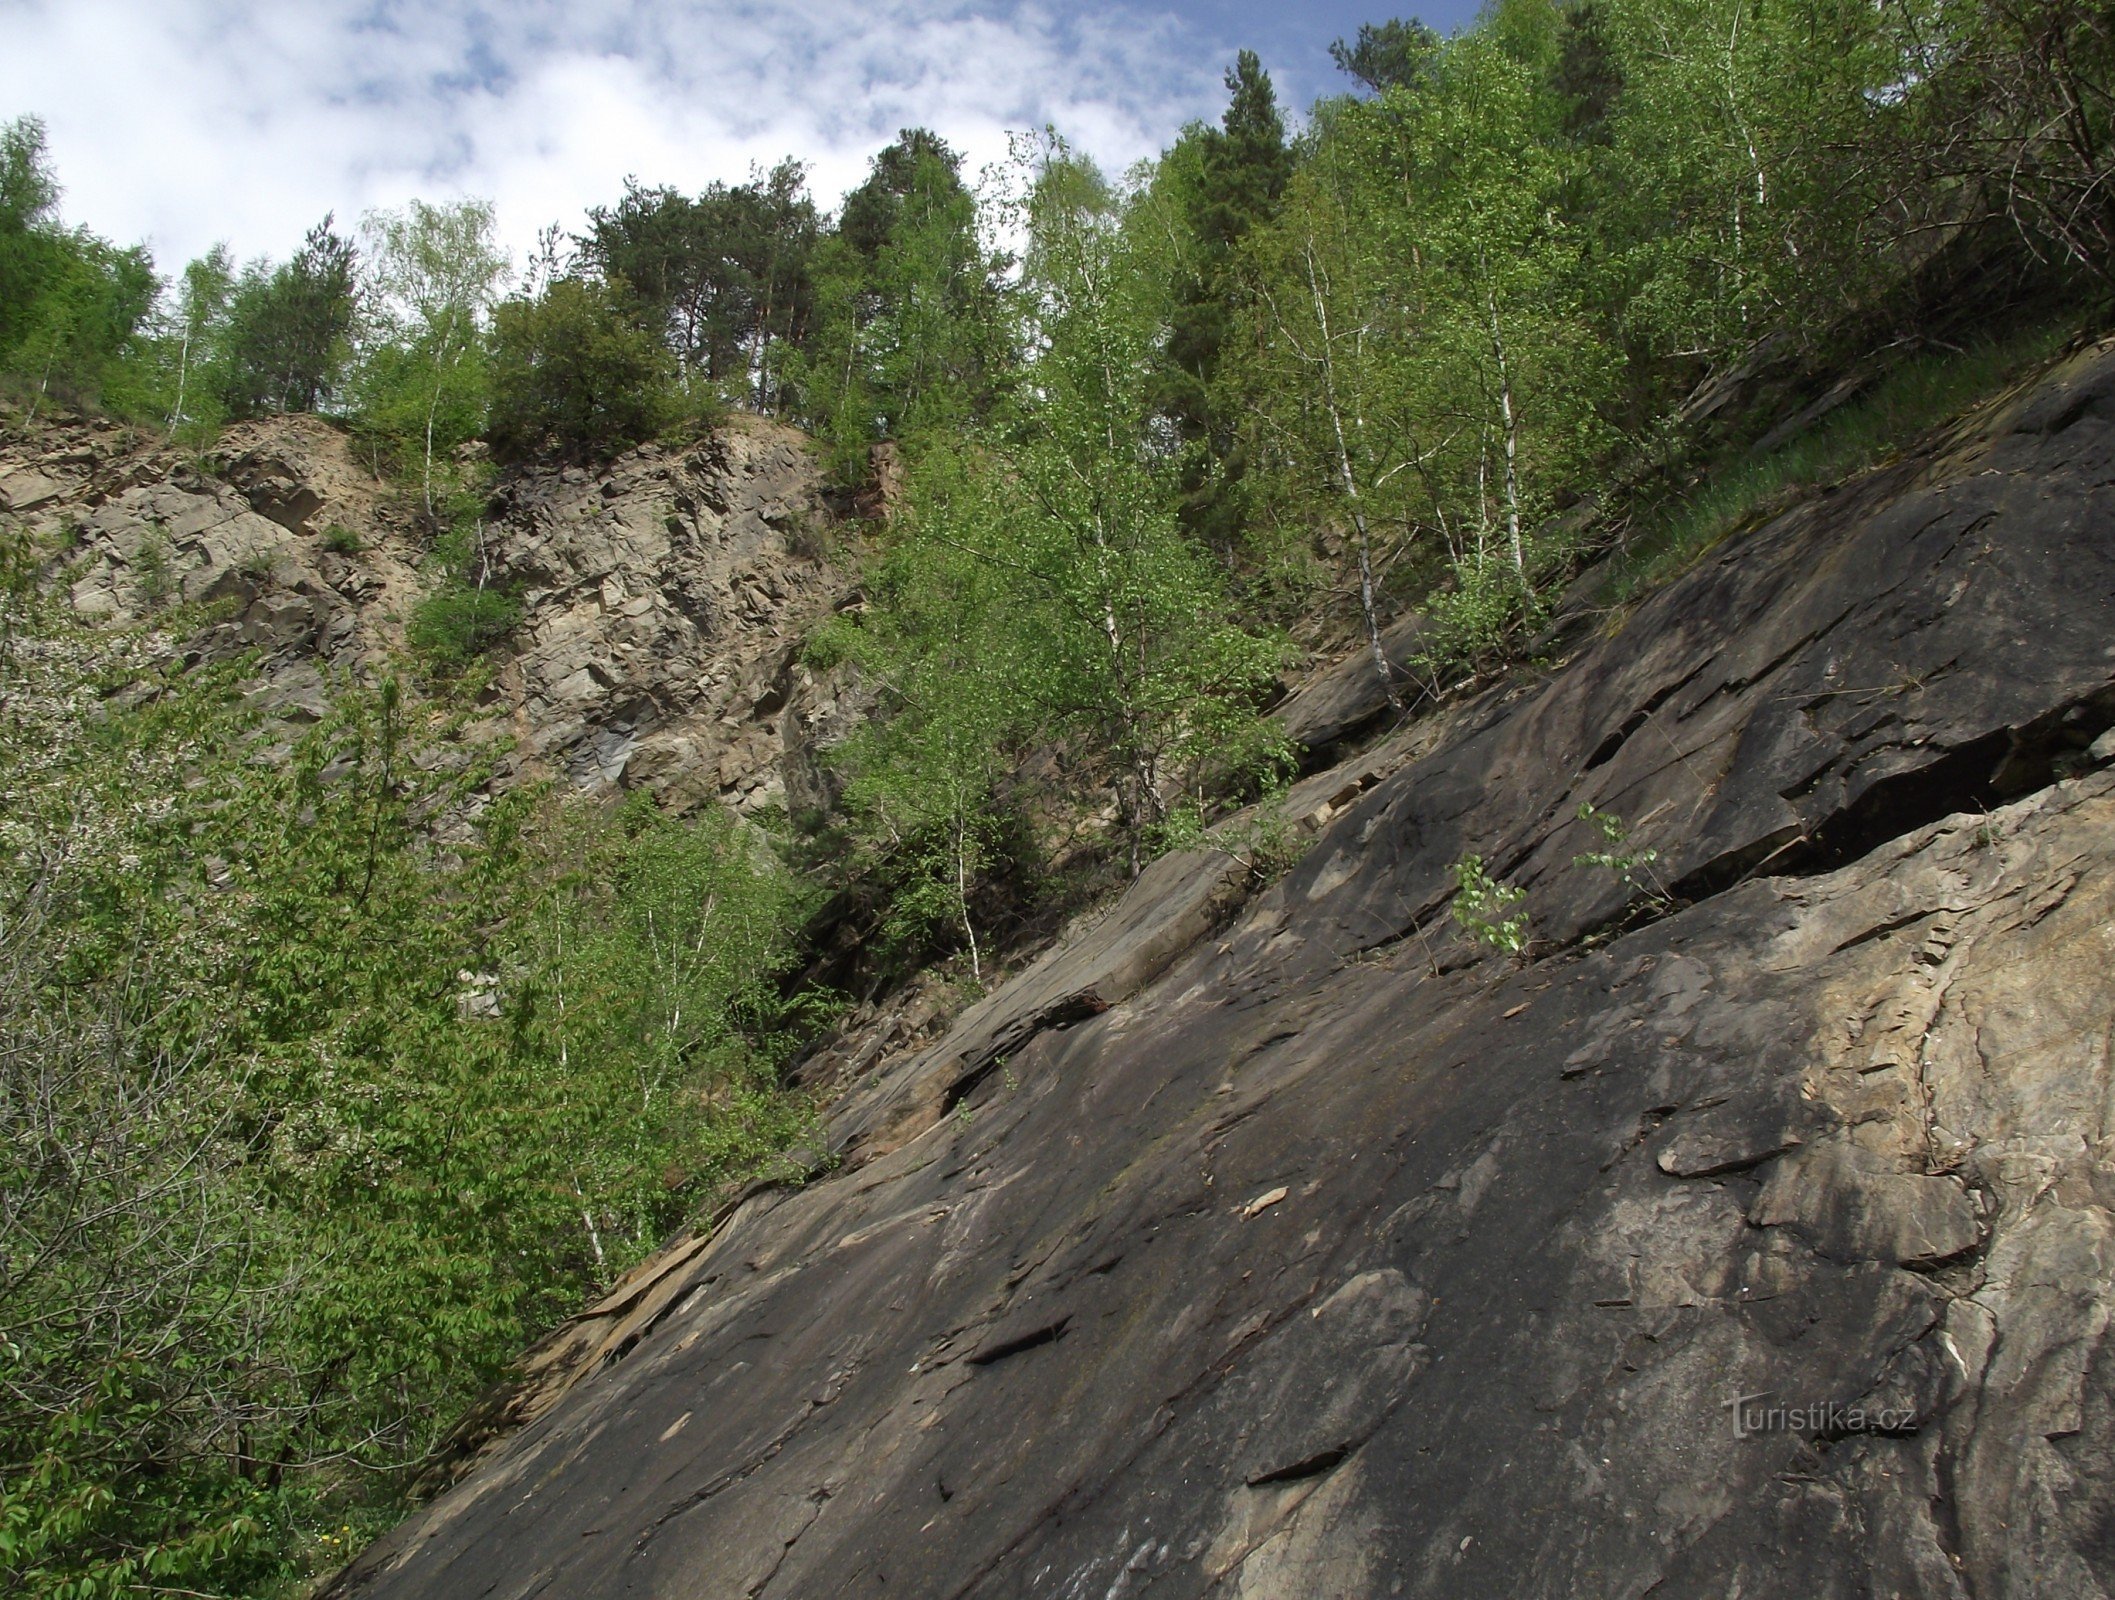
(179,123)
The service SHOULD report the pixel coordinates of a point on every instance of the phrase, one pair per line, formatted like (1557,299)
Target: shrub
(1625,863)
(1481,904)
(259,1254)
(572,373)
(155,572)
(457,623)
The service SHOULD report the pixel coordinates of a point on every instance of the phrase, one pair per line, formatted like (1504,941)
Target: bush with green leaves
(1483,908)
(469,609)
(1620,857)
(572,374)
(311,1121)
(458,622)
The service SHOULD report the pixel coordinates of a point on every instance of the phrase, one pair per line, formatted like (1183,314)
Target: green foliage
(1615,832)
(1469,622)
(908,332)
(70,303)
(1392,55)
(194,339)
(468,610)
(922,778)
(154,569)
(1262,838)
(1037,592)
(326,1081)
(290,329)
(573,374)
(420,387)
(1216,185)
(309,1125)
(1415,364)
(1481,905)
(1926,389)
(723,277)
(456,623)
(1042,575)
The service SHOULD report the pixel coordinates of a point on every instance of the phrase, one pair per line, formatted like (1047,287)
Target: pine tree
(1227,183)
(292,327)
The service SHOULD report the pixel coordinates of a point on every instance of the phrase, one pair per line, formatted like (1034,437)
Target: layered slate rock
(666,601)
(1753,1236)
(663,596)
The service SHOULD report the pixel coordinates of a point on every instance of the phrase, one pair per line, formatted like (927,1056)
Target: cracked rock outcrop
(667,600)
(664,597)
(1752,1236)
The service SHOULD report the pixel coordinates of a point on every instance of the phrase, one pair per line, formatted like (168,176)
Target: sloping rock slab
(1763,1248)
(1173,903)
(1348,698)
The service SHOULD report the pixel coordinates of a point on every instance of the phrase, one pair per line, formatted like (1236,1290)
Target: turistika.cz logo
(1828,1419)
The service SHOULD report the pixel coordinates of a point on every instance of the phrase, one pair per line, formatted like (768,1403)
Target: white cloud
(185,121)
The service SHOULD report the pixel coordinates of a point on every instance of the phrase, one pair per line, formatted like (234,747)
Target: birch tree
(435,272)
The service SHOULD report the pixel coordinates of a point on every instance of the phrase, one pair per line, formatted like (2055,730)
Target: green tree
(1738,180)
(70,303)
(572,372)
(434,273)
(723,277)
(291,327)
(1113,626)
(940,640)
(909,330)
(1322,374)
(197,324)
(1220,182)
(1389,55)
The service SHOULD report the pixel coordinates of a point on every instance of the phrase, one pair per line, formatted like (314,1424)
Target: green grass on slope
(1922,392)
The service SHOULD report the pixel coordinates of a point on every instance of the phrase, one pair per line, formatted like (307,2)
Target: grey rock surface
(666,601)
(664,597)
(1282,1242)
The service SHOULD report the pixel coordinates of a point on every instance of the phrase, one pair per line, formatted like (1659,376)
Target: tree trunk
(976,965)
(43,383)
(183,373)
(1351,496)
(432,407)
(1512,443)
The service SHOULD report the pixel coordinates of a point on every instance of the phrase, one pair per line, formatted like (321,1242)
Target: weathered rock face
(1755,1240)
(664,598)
(667,602)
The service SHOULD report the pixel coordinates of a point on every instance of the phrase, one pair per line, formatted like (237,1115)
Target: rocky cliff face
(664,598)
(1752,1237)
(667,600)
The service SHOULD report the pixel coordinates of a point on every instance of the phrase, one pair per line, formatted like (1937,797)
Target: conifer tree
(1226,183)
(292,327)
